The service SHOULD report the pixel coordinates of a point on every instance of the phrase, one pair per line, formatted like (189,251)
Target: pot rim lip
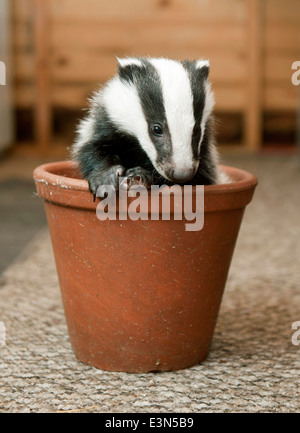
(43,174)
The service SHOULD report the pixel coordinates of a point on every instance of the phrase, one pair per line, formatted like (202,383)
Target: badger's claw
(136,176)
(100,178)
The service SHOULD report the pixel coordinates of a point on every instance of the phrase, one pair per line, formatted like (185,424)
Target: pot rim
(43,173)
(55,187)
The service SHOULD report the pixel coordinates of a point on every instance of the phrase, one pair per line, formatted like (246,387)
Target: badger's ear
(203,67)
(129,61)
(128,67)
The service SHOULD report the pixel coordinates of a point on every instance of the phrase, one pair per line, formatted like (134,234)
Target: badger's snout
(181,176)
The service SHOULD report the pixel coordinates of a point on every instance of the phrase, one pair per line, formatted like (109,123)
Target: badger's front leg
(100,176)
(137,176)
(99,167)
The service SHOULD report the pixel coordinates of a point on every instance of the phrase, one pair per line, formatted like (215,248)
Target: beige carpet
(253,365)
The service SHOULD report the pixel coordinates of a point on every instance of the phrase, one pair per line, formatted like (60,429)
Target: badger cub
(152,124)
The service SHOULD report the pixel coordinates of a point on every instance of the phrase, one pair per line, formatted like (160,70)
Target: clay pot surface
(142,295)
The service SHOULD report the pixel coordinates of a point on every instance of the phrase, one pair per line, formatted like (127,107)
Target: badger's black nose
(182,176)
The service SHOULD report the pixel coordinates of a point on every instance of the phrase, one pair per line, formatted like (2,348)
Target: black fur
(151,96)
(112,153)
(197,77)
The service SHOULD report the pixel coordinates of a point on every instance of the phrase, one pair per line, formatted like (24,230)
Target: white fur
(178,101)
(223,177)
(200,63)
(209,101)
(124,108)
(85,133)
(208,106)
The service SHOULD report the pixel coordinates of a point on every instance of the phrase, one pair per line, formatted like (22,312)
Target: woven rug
(253,365)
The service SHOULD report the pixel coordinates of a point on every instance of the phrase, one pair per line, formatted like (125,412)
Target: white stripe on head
(178,102)
(122,103)
(208,107)
(85,132)
(209,97)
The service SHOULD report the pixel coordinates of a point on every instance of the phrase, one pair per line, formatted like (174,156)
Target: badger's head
(165,104)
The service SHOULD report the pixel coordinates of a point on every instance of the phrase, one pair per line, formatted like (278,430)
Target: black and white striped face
(165,104)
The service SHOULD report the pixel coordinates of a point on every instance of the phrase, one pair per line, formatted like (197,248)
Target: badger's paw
(98,179)
(136,176)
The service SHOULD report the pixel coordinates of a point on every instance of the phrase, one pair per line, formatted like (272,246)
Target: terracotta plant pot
(142,295)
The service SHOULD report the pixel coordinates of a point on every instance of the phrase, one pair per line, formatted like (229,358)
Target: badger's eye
(157,129)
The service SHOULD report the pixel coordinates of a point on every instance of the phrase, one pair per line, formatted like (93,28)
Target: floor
(21,210)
